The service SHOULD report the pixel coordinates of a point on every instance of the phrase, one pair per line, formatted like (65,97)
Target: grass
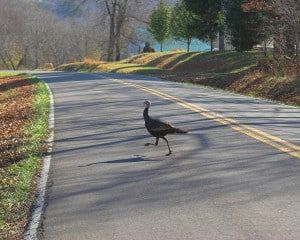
(120,67)
(216,62)
(7,74)
(38,128)
(17,180)
(230,70)
(158,63)
(117,67)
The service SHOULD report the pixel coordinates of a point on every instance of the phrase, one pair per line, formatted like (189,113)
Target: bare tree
(283,24)
(120,13)
(31,36)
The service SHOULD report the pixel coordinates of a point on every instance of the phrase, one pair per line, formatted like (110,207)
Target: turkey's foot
(168,154)
(149,144)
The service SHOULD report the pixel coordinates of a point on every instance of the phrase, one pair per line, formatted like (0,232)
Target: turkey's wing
(159,125)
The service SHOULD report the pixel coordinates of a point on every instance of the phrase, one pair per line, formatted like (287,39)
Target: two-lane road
(235,176)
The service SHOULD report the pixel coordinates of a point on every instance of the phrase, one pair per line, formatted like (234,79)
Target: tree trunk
(211,45)
(86,51)
(188,44)
(265,48)
(111,43)
(118,49)
(36,58)
(120,19)
(221,41)
(36,50)
(111,9)
(161,46)
(298,42)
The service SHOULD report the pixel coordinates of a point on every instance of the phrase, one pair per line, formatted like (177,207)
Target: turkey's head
(147,104)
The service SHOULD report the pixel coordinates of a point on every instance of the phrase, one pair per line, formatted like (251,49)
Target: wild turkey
(158,128)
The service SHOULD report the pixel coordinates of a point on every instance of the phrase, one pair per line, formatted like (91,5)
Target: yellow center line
(276,142)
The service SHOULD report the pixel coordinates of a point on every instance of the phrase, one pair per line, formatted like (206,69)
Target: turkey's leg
(170,152)
(155,144)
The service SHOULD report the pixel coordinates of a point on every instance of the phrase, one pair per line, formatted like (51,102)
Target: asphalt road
(220,183)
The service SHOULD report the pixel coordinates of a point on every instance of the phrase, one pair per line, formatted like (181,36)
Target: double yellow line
(276,142)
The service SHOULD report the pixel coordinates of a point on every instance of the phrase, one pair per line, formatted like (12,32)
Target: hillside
(232,71)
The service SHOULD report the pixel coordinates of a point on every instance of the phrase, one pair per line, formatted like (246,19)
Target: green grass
(115,67)
(38,128)
(200,62)
(119,67)
(16,180)
(13,74)
(156,63)
(7,74)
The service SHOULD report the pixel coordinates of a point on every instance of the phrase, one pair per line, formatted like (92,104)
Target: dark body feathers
(159,129)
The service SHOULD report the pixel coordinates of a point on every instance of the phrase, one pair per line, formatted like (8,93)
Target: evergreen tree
(212,15)
(246,28)
(160,23)
(185,25)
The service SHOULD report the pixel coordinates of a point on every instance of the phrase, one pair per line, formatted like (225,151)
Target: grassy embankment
(231,71)
(24,109)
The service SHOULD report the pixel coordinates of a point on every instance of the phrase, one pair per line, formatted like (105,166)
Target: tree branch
(138,19)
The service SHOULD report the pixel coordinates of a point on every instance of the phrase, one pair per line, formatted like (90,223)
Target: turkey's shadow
(125,160)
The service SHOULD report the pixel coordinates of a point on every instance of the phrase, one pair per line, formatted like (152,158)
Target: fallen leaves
(16,96)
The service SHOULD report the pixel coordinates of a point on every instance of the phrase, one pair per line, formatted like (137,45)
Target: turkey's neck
(146,114)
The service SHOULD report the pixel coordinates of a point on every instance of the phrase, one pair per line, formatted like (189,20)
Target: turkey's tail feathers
(180,131)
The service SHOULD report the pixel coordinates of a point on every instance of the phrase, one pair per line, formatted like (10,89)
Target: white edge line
(31,232)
